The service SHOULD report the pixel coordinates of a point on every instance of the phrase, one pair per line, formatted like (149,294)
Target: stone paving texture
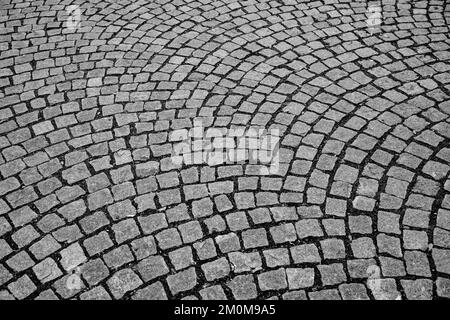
(91,206)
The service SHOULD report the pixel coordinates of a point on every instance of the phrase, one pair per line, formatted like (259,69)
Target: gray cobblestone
(182,281)
(216,269)
(273,280)
(123,281)
(243,287)
(358,181)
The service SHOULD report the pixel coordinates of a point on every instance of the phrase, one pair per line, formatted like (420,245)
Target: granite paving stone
(294,150)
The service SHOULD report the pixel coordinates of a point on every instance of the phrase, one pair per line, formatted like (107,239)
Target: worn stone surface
(97,203)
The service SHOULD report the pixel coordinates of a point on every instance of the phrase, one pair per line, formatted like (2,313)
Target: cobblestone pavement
(92,207)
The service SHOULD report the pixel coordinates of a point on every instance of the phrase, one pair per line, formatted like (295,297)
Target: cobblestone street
(93,205)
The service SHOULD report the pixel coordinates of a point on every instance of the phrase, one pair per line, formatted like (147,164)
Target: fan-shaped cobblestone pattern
(88,190)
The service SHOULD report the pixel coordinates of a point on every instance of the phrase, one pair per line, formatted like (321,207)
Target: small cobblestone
(135,159)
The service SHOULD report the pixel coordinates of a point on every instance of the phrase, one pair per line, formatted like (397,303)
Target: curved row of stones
(93,207)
